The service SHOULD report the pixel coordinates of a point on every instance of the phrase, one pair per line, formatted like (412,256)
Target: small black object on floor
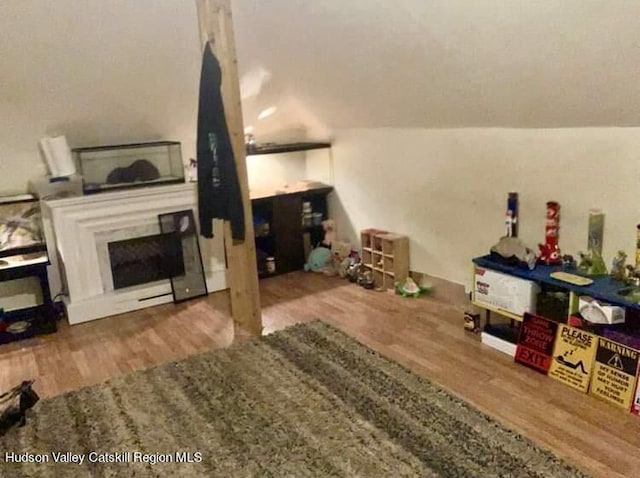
(15,414)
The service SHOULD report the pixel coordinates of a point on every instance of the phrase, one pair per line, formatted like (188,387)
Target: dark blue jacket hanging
(219,195)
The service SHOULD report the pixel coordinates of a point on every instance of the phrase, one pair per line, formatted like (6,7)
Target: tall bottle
(511,219)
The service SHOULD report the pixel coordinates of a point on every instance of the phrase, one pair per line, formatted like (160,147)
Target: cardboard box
(504,292)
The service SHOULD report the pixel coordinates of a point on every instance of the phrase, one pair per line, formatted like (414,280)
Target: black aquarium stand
(25,323)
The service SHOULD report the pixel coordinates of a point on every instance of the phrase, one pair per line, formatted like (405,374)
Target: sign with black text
(573,357)
(535,342)
(614,373)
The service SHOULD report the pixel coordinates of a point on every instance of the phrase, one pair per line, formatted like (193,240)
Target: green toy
(318,259)
(410,288)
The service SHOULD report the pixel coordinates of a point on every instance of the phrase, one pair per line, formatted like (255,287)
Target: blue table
(604,288)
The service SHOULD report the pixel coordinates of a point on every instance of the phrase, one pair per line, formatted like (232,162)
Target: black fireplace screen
(145,259)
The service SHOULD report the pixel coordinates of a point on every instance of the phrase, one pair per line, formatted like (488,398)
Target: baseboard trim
(499,344)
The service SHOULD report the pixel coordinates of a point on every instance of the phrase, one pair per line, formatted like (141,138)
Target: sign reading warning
(573,357)
(535,343)
(614,373)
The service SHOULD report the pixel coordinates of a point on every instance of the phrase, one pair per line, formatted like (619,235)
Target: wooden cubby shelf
(387,255)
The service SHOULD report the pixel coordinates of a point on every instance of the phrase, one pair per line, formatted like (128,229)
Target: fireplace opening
(145,259)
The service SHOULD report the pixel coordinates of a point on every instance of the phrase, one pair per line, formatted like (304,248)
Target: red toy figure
(549,251)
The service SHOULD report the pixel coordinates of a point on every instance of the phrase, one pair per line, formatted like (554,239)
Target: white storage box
(504,292)
(599,312)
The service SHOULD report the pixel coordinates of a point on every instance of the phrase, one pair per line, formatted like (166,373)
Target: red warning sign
(535,343)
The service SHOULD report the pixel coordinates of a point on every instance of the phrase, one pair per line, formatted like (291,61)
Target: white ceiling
(331,64)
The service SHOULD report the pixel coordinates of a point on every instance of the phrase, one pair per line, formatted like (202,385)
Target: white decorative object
(79,229)
(191,170)
(57,155)
(598,312)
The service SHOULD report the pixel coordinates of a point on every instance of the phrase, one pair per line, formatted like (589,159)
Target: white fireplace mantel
(77,230)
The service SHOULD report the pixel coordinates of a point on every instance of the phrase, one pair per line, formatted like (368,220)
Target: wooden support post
(216,27)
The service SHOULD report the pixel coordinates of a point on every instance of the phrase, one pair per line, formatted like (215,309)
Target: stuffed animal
(329,227)
(318,259)
(341,249)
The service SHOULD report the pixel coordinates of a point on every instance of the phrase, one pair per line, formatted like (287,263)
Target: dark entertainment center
(285,238)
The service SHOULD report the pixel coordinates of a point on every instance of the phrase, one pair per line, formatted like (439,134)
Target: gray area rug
(306,401)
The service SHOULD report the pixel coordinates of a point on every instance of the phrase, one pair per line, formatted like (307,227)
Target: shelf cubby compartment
(388,247)
(377,243)
(378,278)
(367,256)
(378,260)
(365,240)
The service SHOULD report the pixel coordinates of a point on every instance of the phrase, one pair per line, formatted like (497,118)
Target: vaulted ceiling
(330,64)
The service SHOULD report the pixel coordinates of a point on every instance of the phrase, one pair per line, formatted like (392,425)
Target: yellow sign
(614,373)
(573,357)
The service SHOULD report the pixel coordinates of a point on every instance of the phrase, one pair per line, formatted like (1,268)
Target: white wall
(447,189)
(320,165)
(273,171)
(101,72)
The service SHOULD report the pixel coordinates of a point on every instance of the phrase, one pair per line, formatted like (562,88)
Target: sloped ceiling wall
(330,64)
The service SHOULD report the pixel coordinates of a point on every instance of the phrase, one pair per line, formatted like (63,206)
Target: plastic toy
(410,288)
(366,280)
(618,271)
(353,271)
(568,262)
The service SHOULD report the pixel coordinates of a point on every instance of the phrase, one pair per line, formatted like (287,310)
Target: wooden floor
(424,334)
